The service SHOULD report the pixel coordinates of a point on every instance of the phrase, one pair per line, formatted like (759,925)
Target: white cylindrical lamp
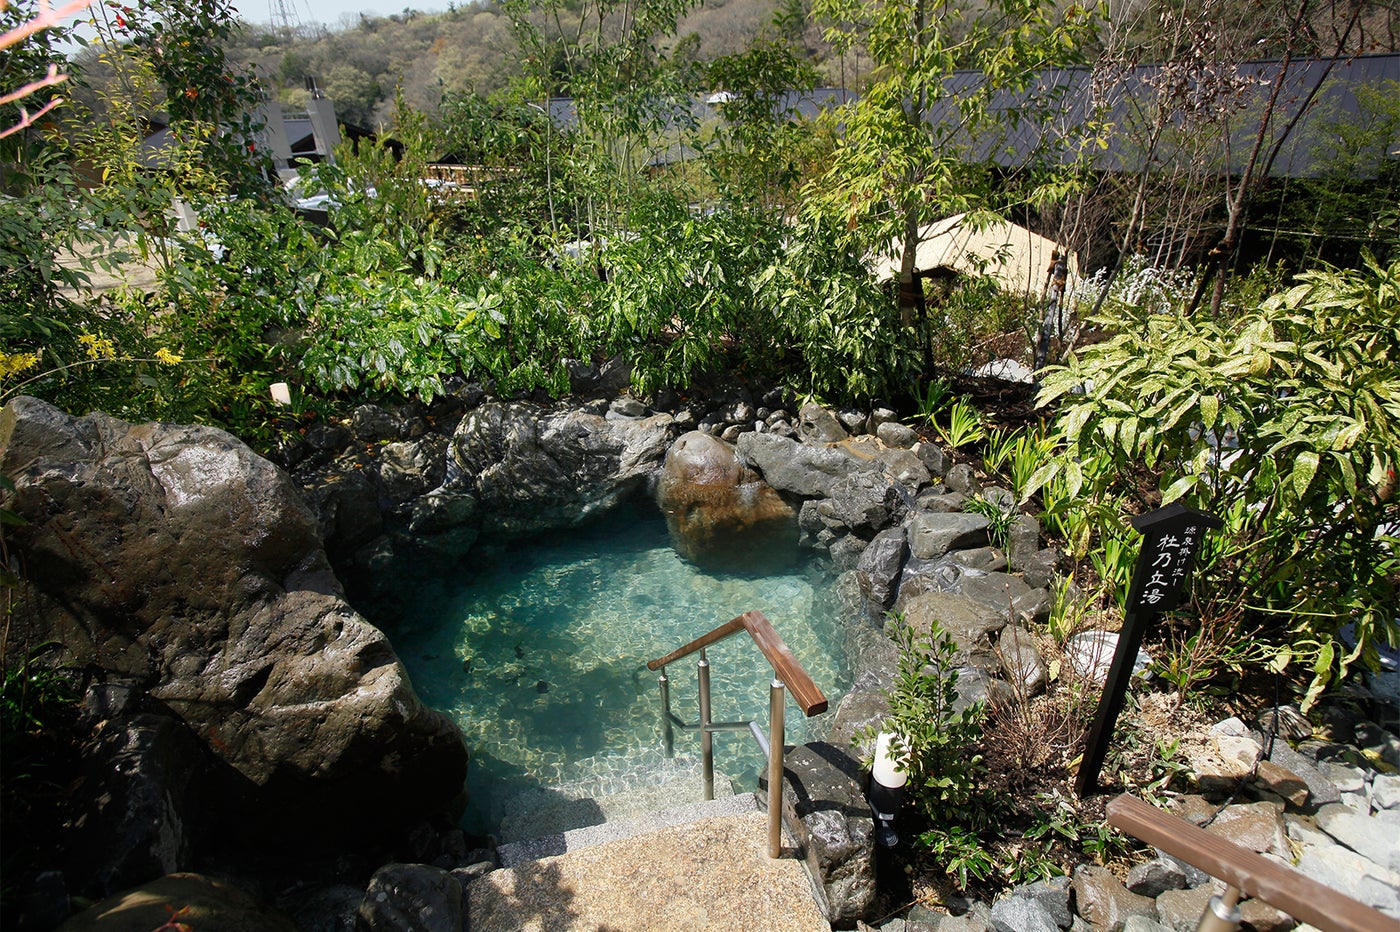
(887,780)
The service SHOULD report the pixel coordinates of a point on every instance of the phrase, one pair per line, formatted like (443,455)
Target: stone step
(610,795)
(574,839)
(708,871)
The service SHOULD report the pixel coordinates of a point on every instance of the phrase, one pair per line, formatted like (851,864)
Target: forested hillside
(471,48)
(362,63)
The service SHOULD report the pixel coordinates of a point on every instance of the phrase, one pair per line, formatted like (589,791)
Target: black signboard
(1171,539)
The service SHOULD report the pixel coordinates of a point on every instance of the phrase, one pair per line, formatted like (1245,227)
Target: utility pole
(286,19)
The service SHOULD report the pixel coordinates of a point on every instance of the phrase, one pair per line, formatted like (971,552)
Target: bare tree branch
(46,18)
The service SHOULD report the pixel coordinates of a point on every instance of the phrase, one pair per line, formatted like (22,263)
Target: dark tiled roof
(1062,108)
(1057,113)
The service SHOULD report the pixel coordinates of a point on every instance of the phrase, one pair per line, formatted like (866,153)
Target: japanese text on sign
(1169,565)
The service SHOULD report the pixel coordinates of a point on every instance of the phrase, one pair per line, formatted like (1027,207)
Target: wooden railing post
(785,666)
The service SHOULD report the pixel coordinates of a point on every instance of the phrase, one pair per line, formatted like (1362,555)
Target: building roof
(1057,116)
(703,109)
(1066,111)
(1018,259)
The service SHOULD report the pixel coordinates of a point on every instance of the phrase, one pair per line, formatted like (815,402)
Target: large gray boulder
(801,469)
(865,503)
(134,811)
(1103,900)
(879,569)
(1022,660)
(411,468)
(973,625)
(919,576)
(904,467)
(533,468)
(933,534)
(1022,541)
(412,898)
(176,558)
(1022,914)
(816,424)
(826,809)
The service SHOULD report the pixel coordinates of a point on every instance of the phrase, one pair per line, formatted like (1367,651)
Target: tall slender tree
(951,84)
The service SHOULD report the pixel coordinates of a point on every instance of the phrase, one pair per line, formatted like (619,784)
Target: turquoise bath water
(539,651)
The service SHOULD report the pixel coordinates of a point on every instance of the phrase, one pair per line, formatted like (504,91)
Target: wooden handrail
(785,666)
(1252,874)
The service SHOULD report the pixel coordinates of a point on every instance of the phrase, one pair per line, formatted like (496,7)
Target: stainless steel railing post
(707,738)
(777,693)
(668,733)
(1222,913)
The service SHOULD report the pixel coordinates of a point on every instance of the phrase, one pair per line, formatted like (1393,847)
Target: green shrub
(839,331)
(974,321)
(680,298)
(939,739)
(1285,422)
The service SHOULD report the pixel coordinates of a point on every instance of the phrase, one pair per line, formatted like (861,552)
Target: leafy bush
(979,824)
(938,745)
(1284,422)
(938,738)
(184,352)
(841,332)
(974,321)
(680,301)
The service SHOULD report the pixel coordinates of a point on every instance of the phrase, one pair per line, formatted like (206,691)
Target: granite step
(620,827)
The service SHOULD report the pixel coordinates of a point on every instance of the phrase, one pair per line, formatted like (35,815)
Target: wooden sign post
(1171,539)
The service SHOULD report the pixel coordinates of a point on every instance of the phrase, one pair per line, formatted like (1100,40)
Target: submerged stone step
(608,795)
(533,849)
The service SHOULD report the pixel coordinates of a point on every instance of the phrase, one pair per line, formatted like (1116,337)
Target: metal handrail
(787,673)
(785,666)
(1246,872)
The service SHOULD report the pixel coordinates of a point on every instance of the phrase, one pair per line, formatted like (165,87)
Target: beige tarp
(1013,255)
(137,273)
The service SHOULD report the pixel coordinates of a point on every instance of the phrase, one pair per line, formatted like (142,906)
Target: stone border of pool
(885,506)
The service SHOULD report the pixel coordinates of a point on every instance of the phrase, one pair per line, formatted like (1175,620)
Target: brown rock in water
(720,513)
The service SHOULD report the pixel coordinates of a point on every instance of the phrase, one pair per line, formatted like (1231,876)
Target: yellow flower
(15,363)
(98,348)
(165,357)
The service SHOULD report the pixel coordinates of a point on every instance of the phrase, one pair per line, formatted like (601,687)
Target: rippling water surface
(539,651)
